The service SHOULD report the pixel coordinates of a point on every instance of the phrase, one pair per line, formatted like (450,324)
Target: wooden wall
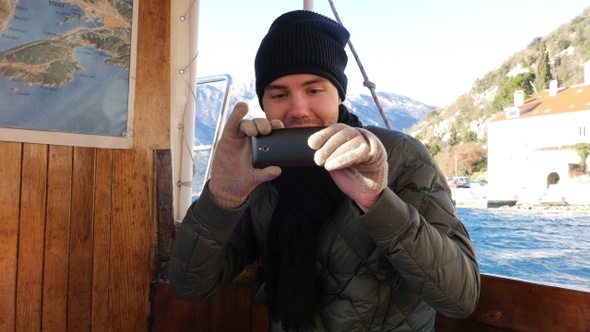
(232,309)
(77,225)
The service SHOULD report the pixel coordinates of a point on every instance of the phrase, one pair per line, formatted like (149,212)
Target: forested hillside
(457,135)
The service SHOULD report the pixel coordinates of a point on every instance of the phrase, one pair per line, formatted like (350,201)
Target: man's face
(301,100)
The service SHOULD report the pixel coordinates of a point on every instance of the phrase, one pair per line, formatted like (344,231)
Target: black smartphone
(284,147)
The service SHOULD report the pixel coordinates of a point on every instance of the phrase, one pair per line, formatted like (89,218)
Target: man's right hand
(232,175)
(356,160)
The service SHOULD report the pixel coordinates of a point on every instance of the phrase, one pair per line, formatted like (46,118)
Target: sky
(428,50)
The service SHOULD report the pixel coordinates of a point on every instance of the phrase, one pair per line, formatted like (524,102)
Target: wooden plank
(228,310)
(445,324)
(259,314)
(103,209)
(152,94)
(132,252)
(231,309)
(165,224)
(133,245)
(164,211)
(57,238)
(81,241)
(10,168)
(524,306)
(31,237)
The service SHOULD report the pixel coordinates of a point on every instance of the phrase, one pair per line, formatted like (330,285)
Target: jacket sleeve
(211,247)
(416,226)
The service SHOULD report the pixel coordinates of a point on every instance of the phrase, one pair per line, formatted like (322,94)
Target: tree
(433,148)
(562,44)
(535,42)
(469,136)
(543,76)
(454,138)
(505,97)
(583,150)
(470,157)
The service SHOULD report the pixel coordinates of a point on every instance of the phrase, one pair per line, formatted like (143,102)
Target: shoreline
(549,207)
(554,201)
(525,206)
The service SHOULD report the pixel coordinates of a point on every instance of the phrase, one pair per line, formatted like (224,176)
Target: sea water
(549,247)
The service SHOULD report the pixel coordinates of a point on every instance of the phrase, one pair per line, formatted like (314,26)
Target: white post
(184,32)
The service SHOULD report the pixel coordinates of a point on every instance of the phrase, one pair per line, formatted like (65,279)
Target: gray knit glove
(232,175)
(355,158)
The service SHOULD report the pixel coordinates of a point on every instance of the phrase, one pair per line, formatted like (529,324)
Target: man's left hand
(356,160)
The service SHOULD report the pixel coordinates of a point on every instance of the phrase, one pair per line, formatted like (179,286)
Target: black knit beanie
(302,42)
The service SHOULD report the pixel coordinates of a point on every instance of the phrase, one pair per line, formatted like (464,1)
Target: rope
(370,85)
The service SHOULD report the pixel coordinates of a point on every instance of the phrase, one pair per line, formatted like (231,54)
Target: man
(368,241)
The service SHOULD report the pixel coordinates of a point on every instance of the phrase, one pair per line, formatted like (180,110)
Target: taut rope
(370,85)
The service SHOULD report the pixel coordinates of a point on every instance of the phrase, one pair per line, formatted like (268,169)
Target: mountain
(465,120)
(461,128)
(401,112)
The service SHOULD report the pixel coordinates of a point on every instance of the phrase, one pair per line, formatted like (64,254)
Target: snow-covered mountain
(402,112)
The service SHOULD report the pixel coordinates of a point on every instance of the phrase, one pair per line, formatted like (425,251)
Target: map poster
(67,72)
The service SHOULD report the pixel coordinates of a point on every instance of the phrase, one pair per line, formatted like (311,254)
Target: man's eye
(278,95)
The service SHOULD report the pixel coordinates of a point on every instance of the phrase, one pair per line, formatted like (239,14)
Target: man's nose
(298,107)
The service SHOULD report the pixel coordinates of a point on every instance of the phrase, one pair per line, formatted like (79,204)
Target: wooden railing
(505,305)
(514,305)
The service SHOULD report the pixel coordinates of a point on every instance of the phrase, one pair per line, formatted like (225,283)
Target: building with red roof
(532,146)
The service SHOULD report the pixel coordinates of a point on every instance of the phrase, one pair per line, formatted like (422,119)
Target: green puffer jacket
(389,269)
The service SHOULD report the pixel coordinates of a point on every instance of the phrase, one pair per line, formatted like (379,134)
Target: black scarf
(308,196)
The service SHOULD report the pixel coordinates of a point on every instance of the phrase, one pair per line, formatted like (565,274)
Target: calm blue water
(550,247)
